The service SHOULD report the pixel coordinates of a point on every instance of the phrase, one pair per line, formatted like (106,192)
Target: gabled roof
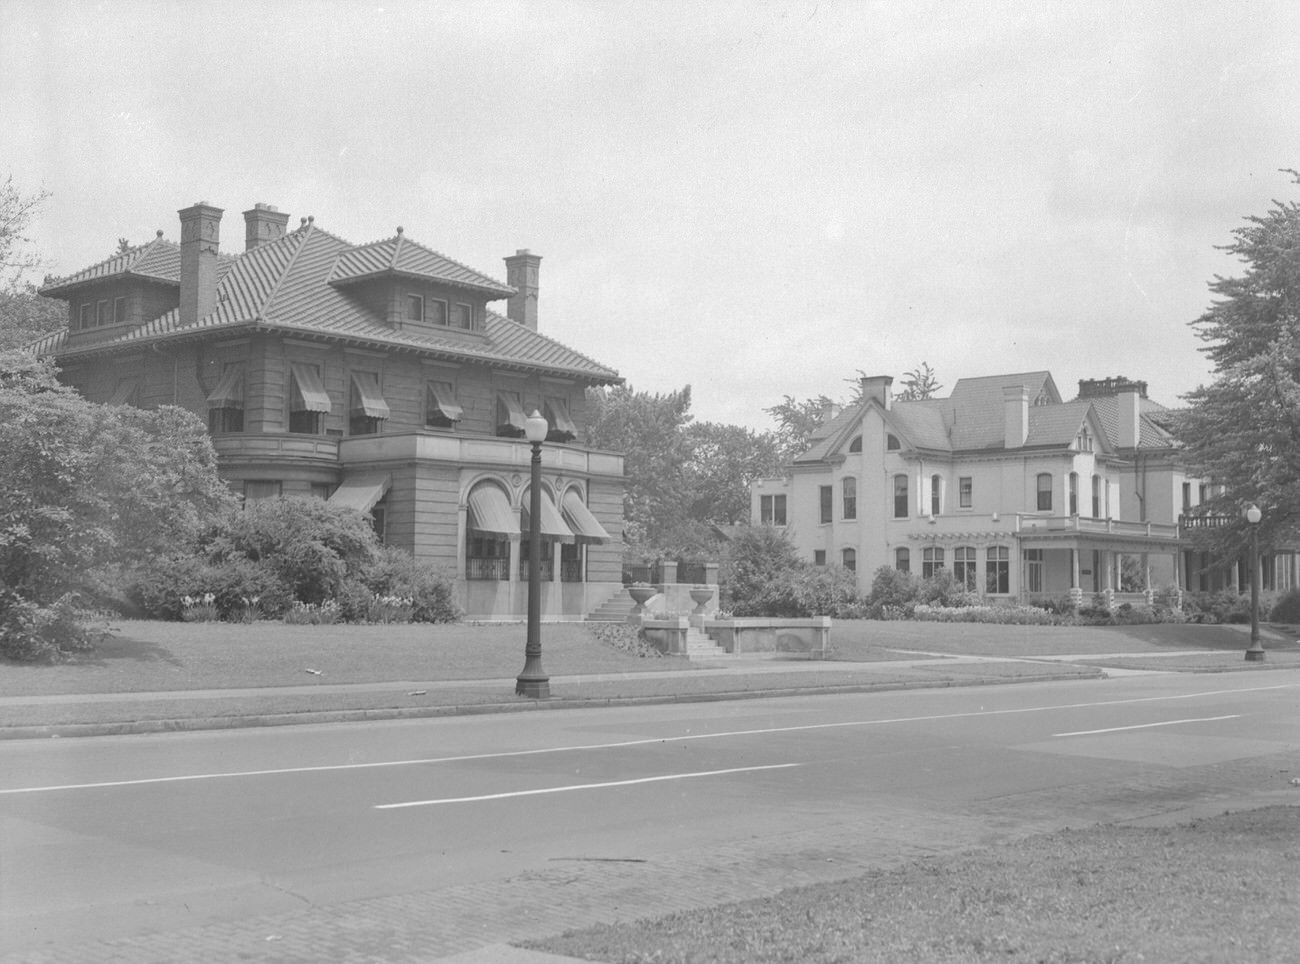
(973,419)
(399,255)
(284,285)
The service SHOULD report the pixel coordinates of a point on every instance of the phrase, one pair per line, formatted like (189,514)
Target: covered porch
(1126,561)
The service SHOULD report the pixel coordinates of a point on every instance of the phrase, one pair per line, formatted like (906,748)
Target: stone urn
(701,595)
(641,595)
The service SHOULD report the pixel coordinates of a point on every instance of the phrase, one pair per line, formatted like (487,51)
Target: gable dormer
(411,287)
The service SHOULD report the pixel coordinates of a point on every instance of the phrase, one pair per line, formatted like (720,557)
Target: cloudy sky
(756,199)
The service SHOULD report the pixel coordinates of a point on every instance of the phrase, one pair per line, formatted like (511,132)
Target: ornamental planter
(641,595)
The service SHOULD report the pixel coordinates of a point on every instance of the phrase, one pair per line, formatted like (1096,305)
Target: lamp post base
(533,687)
(1254,655)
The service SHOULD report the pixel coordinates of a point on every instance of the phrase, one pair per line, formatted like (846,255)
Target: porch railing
(570,570)
(487,569)
(547,570)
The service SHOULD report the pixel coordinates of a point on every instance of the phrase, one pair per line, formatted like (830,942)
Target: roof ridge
(302,233)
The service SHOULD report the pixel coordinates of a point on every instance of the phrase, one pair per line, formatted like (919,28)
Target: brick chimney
(878,387)
(1015,401)
(521,274)
(200,240)
(1130,415)
(263,223)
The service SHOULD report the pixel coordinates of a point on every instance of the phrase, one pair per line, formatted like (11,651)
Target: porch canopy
(552,525)
(584,525)
(362,490)
(489,511)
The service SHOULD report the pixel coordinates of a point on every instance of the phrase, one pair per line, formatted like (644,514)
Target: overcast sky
(755,199)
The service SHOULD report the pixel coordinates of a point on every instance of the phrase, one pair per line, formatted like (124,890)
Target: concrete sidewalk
(97,714)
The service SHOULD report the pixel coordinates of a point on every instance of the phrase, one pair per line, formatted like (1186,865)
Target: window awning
(445,398)
(125,389)
(309,394)
(584,524)
(552,525)
(515,416)
(558,412)
(361,491)
(372,403)
(229,392)
(489,511)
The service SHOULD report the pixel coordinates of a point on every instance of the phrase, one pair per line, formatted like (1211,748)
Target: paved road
(406,841)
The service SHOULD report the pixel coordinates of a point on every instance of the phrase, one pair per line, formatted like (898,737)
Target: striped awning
(444,397)
(514,411)
(229,392)
(489,511)
(368,399)
(552,524)
(309,393)
(580,520)
(557,411)
(124,391)
(361,491)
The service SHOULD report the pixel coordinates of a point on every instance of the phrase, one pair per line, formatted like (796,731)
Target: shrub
(1286,609)
(826,591)
(943,589)
(1004,614)
(33,633)
(892,588)
(162,586)
(431,590)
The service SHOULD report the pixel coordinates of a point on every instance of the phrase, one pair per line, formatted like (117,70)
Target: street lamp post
(1255,652)
(533,681)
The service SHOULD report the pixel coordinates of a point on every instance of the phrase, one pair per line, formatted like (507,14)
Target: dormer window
(462,316)
(415,307)
(119,310)
(437,312)
(103,313)
(86,317)
(1084,441)
(891,443)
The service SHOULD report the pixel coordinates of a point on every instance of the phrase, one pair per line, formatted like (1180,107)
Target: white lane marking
(581,786)
(1147,726)
(506,754)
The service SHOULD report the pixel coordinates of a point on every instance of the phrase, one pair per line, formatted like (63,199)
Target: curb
(317,717)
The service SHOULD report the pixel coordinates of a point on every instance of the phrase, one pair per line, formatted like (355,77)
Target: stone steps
(615,609)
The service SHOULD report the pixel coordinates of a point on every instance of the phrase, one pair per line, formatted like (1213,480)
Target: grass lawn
(147,656)
(1224,889)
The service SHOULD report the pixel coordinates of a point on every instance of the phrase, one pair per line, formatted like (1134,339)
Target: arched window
(1074,493)
(1045,492)
(903,559)
(850,559)
(936,495)
(900,497)
(963,566)
(931,562)
(856,444)
(891,443)
(850,491)
(491,524)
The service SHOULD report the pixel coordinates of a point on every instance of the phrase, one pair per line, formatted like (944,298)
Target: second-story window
(510,415)
(1044,492)
(226,402)
(443,411)
(309,403)
(368,410)
(965,490)
(1074,493)
(556,411)
(936,495)
(826,495)
(1096,496)
(850,487)
(900,497)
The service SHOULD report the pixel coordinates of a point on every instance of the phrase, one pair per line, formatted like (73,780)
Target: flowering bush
(390,609)
(200,609)
(30,632)
(1003,614)
(312,614)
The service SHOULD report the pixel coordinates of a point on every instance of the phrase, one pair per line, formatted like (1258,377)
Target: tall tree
(1243,429)
(649,429)
(796,420)
(919,384)
(724,460)
(24,315)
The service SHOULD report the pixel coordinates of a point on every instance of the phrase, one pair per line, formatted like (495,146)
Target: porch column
(462,536)
(1074,569)
(1146,572)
